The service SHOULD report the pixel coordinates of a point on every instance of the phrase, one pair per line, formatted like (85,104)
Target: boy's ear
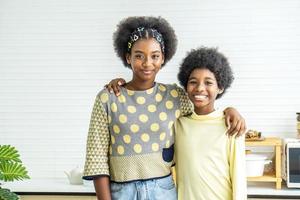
(163,59)
(221,91)
(128,58)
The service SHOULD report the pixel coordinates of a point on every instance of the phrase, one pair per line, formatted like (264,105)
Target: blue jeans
(154,189)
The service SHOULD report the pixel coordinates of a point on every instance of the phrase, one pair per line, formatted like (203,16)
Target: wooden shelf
(276,177)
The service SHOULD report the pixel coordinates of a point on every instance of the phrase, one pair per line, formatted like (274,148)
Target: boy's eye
(209,83)
(192,82)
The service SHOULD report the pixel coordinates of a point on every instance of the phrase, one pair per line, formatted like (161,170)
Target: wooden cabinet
(275,177)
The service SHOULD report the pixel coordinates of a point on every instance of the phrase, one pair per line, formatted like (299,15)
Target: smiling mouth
(200,97)
(147,72)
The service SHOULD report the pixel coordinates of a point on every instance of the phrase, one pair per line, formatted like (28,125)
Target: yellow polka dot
(134,128)
(155,147)
(170,124)
(104,97)
(122,99)
(109,119)
(162,88)
(151,108)
(154,127)
(168,144)
(120,150)
(150,91)
(143,118)
(114,107)
(137,148)
(162,136)
(131,109)
(174,93)
(127,139)
(177,113)
(140,100)
(130,92)
(158,97)
(113,140)
(171,132)
(145,137)
(169,105)
(163,116)
(116,129)
(123,118)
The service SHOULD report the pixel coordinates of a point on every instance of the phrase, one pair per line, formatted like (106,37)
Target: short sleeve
(96,162)
(186,106)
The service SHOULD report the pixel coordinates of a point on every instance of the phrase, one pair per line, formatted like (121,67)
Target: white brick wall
(55,55)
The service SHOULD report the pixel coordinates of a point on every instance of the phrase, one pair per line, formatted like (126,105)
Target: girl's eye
(155,56)
(138,56)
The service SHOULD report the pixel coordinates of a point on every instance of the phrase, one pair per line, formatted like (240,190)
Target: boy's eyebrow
(192,77)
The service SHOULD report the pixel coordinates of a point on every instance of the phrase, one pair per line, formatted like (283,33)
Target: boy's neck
(203,111)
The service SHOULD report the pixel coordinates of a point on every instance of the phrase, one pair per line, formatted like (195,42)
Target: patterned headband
(138,33)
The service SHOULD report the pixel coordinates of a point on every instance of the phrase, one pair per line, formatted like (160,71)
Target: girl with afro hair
(130,148)
(209,165)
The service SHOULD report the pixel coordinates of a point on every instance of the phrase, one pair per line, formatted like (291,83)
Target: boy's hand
(114,85)
(235,122)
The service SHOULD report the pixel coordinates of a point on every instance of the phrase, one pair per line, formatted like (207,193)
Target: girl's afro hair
(128,25)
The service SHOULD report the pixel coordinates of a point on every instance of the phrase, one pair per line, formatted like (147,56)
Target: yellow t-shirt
(209,164)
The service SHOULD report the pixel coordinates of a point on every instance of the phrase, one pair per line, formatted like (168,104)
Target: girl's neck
(139,86)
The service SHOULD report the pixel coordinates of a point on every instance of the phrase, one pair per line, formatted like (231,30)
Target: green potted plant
(11,169)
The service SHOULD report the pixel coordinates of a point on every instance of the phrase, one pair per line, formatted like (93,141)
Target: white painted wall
(55,55)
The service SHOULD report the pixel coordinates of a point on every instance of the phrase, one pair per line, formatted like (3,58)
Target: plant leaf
(9,153)
(13,171)
(6,194)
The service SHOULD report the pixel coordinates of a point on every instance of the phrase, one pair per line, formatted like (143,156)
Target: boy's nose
(200,87)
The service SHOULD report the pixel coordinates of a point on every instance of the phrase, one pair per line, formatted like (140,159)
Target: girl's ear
(128,58)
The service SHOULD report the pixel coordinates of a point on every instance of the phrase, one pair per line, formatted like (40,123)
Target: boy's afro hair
(206,58)
(128,25)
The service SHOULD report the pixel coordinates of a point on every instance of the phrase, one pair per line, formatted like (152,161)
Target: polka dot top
(130,136)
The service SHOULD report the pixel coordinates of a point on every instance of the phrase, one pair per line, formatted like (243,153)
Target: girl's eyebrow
(139,51)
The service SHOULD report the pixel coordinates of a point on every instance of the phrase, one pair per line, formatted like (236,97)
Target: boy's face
(145,59)
(202,89)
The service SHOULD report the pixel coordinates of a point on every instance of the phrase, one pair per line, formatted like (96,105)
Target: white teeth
(200,97)
(147,72)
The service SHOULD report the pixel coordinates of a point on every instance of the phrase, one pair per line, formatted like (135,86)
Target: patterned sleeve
(186,106)
(96,162)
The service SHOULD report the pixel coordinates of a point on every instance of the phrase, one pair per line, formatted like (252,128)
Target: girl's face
(145,59)
(202,89)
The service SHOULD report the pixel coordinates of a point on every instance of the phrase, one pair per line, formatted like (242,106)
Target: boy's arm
(238,168)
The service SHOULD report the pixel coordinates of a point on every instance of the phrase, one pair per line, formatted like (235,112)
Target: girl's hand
(114,85)
(235,122)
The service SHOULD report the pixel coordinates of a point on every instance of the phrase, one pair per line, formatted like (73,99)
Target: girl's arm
(102,188)
(234,121)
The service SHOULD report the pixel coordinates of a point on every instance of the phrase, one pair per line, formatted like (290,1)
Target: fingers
(232,127)
(114,86)
(237,127)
